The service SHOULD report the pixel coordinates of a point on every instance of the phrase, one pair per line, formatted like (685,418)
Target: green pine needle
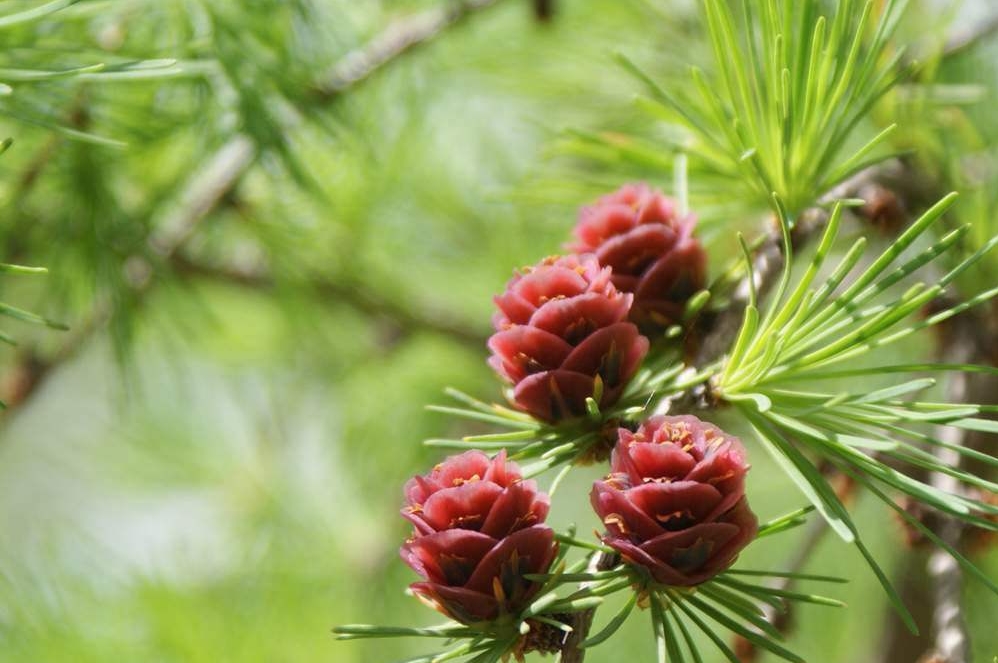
(613,625)
(35,13)
(781,118)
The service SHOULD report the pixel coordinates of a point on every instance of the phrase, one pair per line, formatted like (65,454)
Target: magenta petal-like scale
(423,553)
(518,506)
(461,507)
(575,318)
(554,395)
(650,246)
(622,518)
(462,604)
(675,504)
(533,548)
(523,350)
(645,461)
(634,252)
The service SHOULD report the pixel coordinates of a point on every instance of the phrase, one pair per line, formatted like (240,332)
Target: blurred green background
(208,465)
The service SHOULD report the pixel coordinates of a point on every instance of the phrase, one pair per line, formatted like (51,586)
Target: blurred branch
(948,626)
(960,342)
(22,380)
(959,42)
(25,183)
(37,166)
(401,36)
(970,37)
(77,117)
(351,293)
(33,367)
(210,184)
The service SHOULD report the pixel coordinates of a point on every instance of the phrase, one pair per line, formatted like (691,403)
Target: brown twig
(544,9)
(768,261)
(718,331)
(966,338)
(571,652)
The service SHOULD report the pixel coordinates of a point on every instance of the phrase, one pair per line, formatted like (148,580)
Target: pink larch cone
(561,327)
(674,502)
(478,530)
(641,235)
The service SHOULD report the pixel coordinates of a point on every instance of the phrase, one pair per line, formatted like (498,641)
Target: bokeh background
(268,270)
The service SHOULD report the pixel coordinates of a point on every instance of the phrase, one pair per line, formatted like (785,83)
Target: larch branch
(767,264)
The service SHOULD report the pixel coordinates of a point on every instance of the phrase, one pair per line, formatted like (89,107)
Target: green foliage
(36,75)
(953,138)
(785,117)
(19,314)
(790,345)
(340,274)
(805,331)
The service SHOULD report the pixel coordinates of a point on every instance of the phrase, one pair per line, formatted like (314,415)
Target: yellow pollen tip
(497,590)
(617,520)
